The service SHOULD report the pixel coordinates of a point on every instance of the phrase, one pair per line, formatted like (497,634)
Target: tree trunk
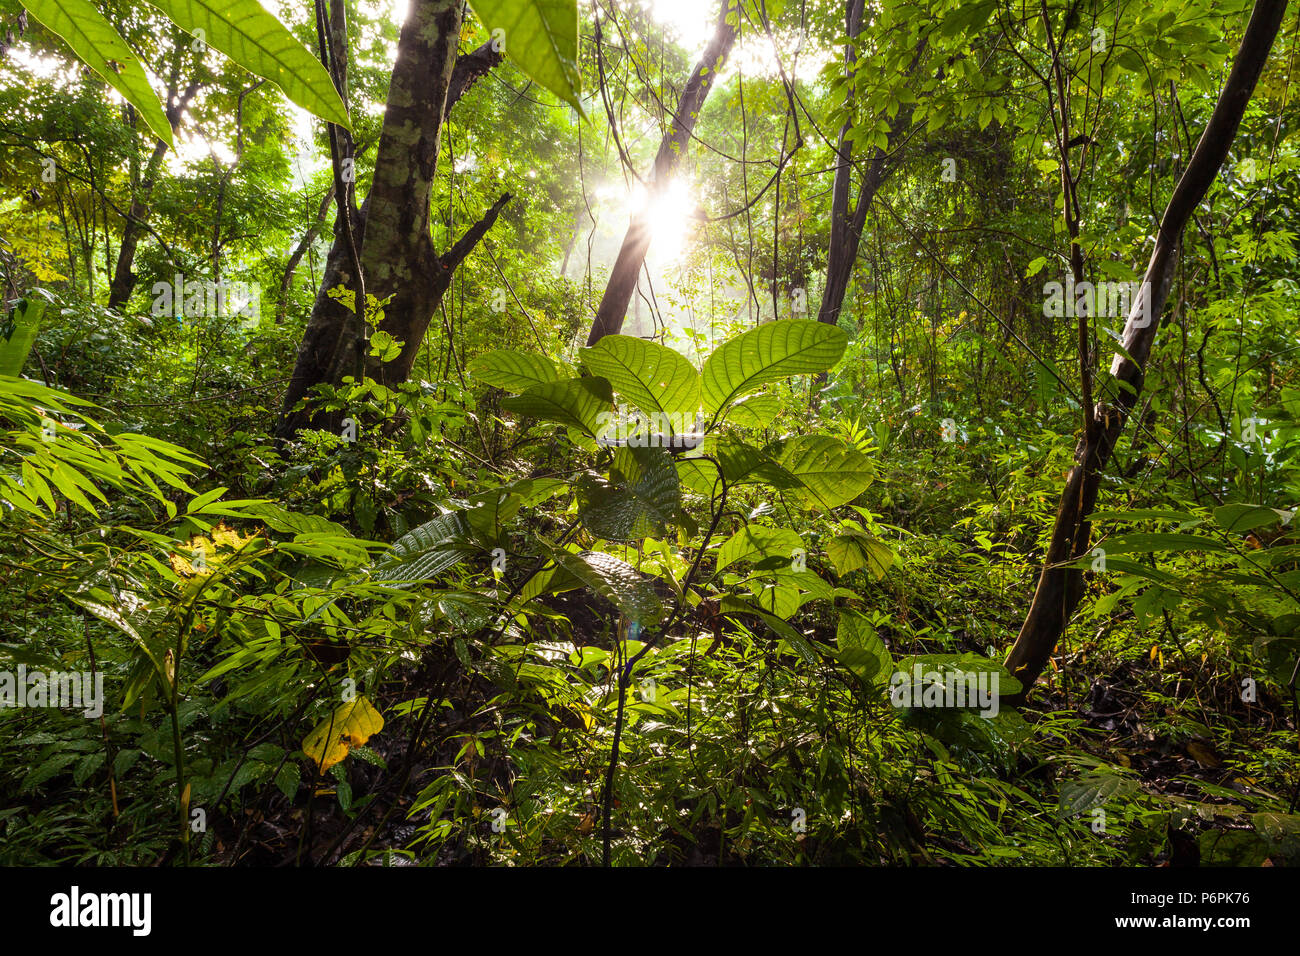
(636,243)
(120,289)
(1060,585)
(391,230)
(846,227)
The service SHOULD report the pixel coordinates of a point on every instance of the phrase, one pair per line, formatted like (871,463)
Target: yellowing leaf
(229,538)
(351,725)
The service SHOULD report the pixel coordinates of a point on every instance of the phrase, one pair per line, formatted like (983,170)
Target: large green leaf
(755,543)
(541,36)
(616,581)
(862,651)
(640,498)
(769,353)
(755,411)
(653,377)
(745,464)
(513,371)
(854,549)
(18,333)
(831,472)
(576,402)
(95,42)
(257,41)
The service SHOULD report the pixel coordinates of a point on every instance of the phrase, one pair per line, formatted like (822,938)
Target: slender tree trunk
(300,250)
(846,226)
(636,242)
(120,289)
(1060,585)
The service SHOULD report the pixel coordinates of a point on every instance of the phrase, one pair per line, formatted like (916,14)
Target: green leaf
(616,581)
(755,543)
(640,498)
(653,377)
(1241,518)
(257,41)
(1093,790)
(541,37)
(513,371)
(95,42)
(853,550)
(769,353)
(290,522)
(575,402)
(745,464)
(755,411)
(831,472)
(862,651)
(19,334)
(1155,543)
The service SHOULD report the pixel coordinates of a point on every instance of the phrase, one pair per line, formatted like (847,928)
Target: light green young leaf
(95,42)
(513,371)
(18,333)
(541,37)
(257,41)
(653,377)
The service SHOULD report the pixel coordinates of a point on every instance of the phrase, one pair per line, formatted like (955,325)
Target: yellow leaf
(228,537)
(351,725)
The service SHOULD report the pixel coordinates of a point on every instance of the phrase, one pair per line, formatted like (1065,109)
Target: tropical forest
(649,433)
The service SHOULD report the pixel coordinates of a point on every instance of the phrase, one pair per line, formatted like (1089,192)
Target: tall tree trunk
(1060,585)
(391,230)
(636,242)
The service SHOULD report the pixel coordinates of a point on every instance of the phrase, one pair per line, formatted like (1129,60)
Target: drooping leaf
(541,37)
(862,651)
(1151,543)
(616,581)
(830,472)
(653,377)
(350,725)
(257,41)
(1243,517)
(755,543)
(640,498)
(95,42)
(18,334)
(853,550)
(513,371)
(575,402)
(766,354)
